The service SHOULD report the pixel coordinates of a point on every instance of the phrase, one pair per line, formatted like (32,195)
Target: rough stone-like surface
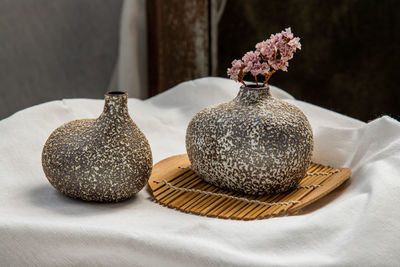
(105,159)
(254,144)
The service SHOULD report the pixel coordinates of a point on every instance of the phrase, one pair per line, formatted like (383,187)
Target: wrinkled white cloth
(357,225)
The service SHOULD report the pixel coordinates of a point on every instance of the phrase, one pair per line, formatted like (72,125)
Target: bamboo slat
(170,178)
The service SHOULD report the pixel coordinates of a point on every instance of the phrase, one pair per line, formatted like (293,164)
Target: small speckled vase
(254,144)
(107,159)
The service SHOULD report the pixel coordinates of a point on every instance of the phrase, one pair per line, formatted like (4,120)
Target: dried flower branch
(270,56)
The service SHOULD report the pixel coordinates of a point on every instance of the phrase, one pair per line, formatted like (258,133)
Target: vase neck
(251,95)
(115,105)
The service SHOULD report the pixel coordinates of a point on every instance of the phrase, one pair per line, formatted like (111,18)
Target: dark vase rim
(253,86)
(116,93)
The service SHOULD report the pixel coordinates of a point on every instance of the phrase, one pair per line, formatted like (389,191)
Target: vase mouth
(254,86)
(116,93)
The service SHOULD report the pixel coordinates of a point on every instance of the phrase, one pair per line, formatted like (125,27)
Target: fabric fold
(356,225)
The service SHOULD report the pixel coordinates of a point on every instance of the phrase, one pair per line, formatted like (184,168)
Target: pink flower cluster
(270,55)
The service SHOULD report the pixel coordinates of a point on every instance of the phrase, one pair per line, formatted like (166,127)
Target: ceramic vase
(254,144)
(107,159)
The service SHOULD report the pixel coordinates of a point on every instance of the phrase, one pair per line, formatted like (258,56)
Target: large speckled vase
(107,159)
(253,144)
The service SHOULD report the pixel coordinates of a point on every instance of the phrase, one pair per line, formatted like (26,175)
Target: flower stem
(268,76)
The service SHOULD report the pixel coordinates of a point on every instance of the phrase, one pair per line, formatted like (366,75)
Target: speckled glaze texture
(106,159)
(254,144)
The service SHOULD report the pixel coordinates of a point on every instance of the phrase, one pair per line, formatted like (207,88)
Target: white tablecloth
(357,225)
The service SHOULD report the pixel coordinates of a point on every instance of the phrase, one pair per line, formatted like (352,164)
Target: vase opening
(254,86)
(112,93)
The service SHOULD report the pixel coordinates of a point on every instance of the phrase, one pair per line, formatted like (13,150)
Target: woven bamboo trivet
(175,185)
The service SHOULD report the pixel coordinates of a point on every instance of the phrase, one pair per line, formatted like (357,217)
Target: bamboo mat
(175,185)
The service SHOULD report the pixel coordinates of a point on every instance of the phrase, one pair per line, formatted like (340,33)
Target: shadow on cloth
(326,200)
(46,197)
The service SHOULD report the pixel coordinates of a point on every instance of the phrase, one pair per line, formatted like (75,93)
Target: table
(357,225)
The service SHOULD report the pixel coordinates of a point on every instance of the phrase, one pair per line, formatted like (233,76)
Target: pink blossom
(249,59)
(234,72)
(273,53)
(287,33)
(266,48)
(260,69)
(237,63)
(277,40)
(295,43)
(284,46)
(279,64)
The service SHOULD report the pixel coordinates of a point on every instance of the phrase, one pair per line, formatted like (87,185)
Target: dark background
(350,56)
(55,49)
(349,62)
